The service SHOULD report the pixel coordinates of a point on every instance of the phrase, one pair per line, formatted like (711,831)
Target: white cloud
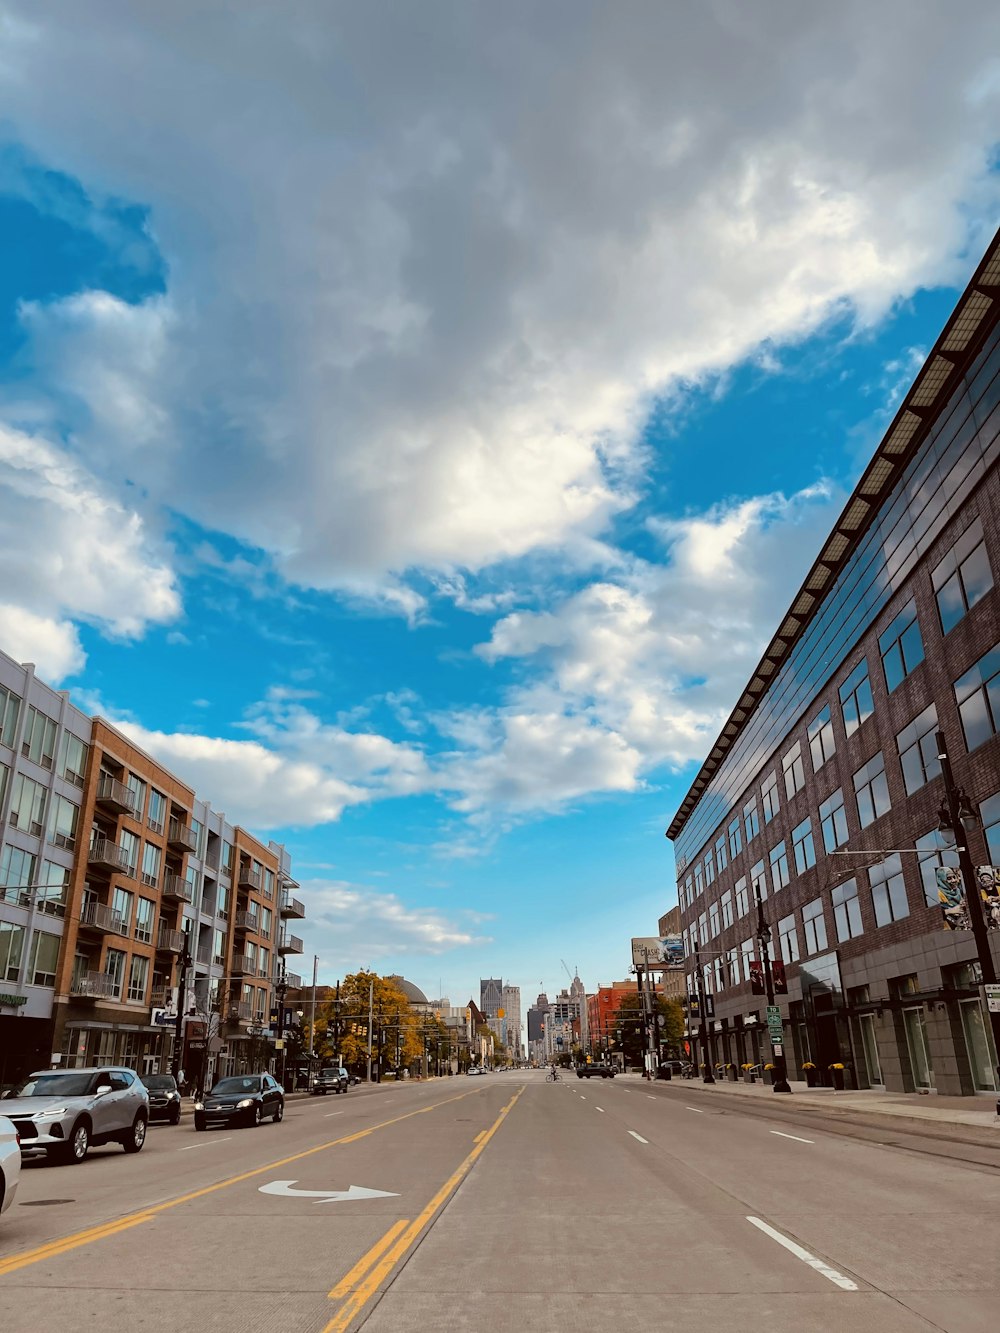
(421,327)
(54,646)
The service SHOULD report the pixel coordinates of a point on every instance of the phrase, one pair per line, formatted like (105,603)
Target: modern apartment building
(822,795)
(122,897)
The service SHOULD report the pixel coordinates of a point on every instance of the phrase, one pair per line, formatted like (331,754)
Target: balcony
(244,966)
(180,837)
(203,955)
(176,888)
(114,796)
(290,944)
(161,998)
(246,921)
(292,907)
(292,980)
(103,854)
(240,1013)
(250,879)
(170,941)
(97,917)
(93,986)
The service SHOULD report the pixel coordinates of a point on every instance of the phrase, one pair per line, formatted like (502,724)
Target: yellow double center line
(88,1237)
(372,1269)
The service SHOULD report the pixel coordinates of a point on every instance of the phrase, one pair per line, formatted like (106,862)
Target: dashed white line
(205,1145)
(838,1279)
(582,1097)
(650,1096)
(696,1109)
(638,1136)
(791,1136)
(599,1108)
(329,1114)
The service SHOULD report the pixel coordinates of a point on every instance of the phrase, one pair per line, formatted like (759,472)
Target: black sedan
(245,1099)
(164,1097)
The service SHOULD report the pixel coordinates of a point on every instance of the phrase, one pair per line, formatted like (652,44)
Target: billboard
(659,953)
(954,905)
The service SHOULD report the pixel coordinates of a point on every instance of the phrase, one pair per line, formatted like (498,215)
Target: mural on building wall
(955,907)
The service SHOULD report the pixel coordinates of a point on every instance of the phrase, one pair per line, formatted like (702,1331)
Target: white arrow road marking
(283,1188)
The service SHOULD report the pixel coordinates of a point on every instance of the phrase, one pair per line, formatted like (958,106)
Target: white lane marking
(330,1114)
(582,1097)
(791,1136)
(205,1145)
(638,1136)
(650,1096)
(844,1283)
(599,1108)
(696,1109)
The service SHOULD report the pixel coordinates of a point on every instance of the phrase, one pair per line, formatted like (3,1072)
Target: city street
(504,1203)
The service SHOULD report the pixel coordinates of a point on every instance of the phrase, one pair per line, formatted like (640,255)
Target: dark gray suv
(63,1112)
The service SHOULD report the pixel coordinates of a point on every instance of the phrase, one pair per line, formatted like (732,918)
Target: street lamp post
(699,981)
(780,1081)
(280,990)
(961,818)
(175,1060)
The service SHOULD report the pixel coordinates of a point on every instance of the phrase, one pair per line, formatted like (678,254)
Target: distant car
(475,1069)
(333,1079)
(10,1163)
(245,1099)
(65,1112)
(164,1097)
(595,1071)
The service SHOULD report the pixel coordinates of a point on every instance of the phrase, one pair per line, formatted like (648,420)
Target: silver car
(10,1163)
(63,1112)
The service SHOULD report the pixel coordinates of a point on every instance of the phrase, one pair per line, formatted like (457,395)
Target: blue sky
(412,429)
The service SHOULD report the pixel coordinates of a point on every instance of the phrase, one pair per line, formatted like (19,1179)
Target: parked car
(164,1097)
(333,1079)
(475,1069)
(65,1112)
(595,1071)
(10,1163)
(245,1099)
(672,1069)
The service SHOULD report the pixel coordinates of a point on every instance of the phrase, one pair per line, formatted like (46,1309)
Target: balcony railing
(95,916)
(290,944)
(170,941)
(93,986)
(242,965)
(181,837)
(292,907)
(114,795)
(176,888)
(203,955)
(105,854)
(161,998)
(250,879)
(240,1013)
(292,979)
(246,921)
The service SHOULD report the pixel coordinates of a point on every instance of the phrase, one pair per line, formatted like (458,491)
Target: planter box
(731,1075)
(811,1077)
(749,1076)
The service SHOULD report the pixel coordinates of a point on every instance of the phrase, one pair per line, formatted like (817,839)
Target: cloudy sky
(414,420)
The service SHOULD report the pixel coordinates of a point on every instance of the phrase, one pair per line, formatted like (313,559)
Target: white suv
(62,1112)
(10,1163)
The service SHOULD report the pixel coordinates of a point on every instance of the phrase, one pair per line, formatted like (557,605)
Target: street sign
(992,992)
(774,1029)
(501,1013)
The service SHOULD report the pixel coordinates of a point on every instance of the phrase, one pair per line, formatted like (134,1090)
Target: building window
(264,970)
(833,820)
(802,844)
(733,959)
(709,868)
(721,859)
(63,816)
(794,770)
(699,879)
(871,790)
(847,910)
(121,905)
(814,927)
(978,696)
(128,842)
(114,969)
(27,806)
(137,787)
(689,890)
(788,939)
(769,797)
(901,647)
(150,865)
(888,891)
(157,810)
(758,881)
(726,906)
(39,742)
(73,759)
(918,750)
(735,840)
(265,922)
(197,828)
(11,945)
(989,813)
(17,875)
(963,577)
(4,778)
(145,914)
(779,866)
(43,959)
(10,708)
(932,855)
(713,920)
(747,955)
(53,889)
(138,977)
(751,820)
(742,897)
(856,698)
(227,856)
(822,743)
(219,947)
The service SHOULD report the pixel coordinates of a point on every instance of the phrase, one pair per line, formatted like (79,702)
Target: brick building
(822,792)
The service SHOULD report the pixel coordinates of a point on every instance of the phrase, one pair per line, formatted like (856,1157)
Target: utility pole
(371,992)
(780,1080)
(699,981)
(280,989)
(336,1025)
(312,1015)
(962,818)
(175,1060)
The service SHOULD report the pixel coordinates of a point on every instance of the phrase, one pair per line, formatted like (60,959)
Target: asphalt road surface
(508,1203)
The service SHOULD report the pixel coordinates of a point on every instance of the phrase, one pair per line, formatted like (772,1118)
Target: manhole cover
(44,1203)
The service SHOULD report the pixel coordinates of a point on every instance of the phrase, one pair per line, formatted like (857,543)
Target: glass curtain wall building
(894,635)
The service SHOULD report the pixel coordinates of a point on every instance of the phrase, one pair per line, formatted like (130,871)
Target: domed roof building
(413,993)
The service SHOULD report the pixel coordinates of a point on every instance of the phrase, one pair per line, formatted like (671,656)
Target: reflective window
(721,859)
(138,977)
(901,646)
(794,770)
(963,577)
(932,855)
(726,906)
(73,758)
(978,697)
(751,822)
(735,839)
(822,743)
(742,897)
(157,810)
(709,867)
(769,797)
(788,939)
(833,821)
(779,866)
(856,698)
(758,881)
(803,846)
(63,817)
(989,813)
(871,790)
(713,920)
(43,958)
(814,927)
(747,955)
(11,944)
(10,708)
(918,750)
(39,741)
(27,805)
(699,879)
(847,910)
(888,891)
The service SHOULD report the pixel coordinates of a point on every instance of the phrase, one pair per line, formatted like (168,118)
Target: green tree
(628,1020)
